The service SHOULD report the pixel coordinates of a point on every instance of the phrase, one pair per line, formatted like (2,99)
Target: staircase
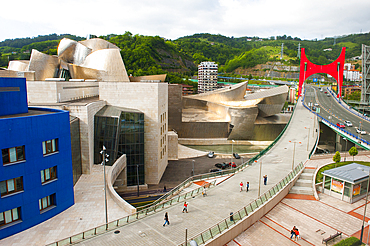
(304,184)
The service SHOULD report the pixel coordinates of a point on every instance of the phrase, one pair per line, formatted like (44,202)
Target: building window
(13,154)
(10,216)
(48,174)
(11,186)
(46,202)
(50,146)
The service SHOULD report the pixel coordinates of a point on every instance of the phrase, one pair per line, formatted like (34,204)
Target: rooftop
(351,173)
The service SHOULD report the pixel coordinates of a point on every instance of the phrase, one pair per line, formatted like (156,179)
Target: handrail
(160,203)
(246,211)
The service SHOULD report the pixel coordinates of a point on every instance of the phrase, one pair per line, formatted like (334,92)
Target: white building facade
(207,76)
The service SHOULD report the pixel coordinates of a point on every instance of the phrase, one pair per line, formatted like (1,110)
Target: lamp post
(345,150)
(232,151)
(192,171)
(137,178)
(104,155)
(367,193)
(294,142)
(260,177)
(308,137)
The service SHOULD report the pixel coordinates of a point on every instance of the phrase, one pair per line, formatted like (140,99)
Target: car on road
(359,131)
(321,151)
(222,165)
(211,154)
(236,156)
(215,170)
(348,123)
(232,164)
(316,105)
(325,92)
(340,125)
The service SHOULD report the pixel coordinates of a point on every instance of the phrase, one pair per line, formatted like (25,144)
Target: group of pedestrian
(294,232)
(246,186)
(167,221)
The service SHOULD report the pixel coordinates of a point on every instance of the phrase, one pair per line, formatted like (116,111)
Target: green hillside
(179,58)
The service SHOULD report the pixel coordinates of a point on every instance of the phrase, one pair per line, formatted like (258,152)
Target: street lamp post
(294,142)
(232,151)
(367,193)
(260,177)
(192,171)
(345,150)
(104,155)
(308,137)
(137,178)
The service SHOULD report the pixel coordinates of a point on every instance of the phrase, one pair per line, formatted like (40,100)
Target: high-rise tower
(207,76)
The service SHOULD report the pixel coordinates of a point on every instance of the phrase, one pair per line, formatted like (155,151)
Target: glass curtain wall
(121,131)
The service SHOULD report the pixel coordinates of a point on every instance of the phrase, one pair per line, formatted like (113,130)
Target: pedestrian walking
(164,189)
(204,191)
(241,186)
(292,232)
(166,221)
(247,186)
(296,232)
(185,209)
(265,179)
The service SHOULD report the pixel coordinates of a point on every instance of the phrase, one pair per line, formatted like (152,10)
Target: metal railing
(244,212)
(166,200)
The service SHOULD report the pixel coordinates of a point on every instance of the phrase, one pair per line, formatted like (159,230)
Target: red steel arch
(334,69)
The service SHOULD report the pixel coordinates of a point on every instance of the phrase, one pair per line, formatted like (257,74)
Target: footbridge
(208,220)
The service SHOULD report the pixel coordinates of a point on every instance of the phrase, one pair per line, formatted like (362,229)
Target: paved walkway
(87,212)
(314,219)
(221,200)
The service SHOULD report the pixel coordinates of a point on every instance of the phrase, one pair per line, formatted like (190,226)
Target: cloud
(174,19)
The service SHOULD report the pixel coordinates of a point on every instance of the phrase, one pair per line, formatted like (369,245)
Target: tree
(353,152)
(336,157)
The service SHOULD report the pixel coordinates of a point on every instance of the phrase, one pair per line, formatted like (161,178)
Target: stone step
(303,183)
(308,170)
(301,190)
(306,176)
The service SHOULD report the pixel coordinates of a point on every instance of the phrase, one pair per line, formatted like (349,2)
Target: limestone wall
(174,107)
(60,91)
(173,147)
(152,100)
(204,130)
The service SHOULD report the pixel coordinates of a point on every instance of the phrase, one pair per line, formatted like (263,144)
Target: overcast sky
(306,19)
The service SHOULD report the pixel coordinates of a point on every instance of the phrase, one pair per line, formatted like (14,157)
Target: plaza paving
(314,219)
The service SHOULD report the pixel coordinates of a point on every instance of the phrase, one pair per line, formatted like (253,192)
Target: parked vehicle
(340,125)
(236,156)
(211,154)
(232,164)
(215,170)
(348,123)
(222,165)
(359,131)
(322,151)
(316,105)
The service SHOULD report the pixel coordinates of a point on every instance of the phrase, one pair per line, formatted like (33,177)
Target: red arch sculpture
(334,69)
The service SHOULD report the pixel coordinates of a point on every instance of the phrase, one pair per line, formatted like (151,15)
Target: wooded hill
(179,58)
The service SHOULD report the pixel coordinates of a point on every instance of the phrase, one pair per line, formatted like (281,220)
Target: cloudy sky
(306,19)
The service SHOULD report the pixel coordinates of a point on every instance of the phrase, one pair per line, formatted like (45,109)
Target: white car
(348,123)
(362,132)
(316,104)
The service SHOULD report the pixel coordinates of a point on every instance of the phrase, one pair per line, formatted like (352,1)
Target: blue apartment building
(36,180)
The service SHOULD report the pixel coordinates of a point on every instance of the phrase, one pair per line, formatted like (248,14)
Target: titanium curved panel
(78,72)
(72,52)
(242,120)
(45,66)
(232,93)
(109,60)
(98,44)
(18,65)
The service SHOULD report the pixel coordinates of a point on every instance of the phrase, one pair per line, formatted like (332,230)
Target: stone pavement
(314,219)
(223,199)
(87,212)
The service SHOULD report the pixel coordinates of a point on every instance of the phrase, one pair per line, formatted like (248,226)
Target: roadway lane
(333,112)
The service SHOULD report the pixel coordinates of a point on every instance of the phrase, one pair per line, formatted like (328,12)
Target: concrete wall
(60,91)
(174,107)
(152,100)
(204,130)
(112,172)
(173,146)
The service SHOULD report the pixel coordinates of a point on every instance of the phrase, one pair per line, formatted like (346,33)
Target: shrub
(349,241)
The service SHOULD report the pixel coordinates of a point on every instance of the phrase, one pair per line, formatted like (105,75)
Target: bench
(326,240)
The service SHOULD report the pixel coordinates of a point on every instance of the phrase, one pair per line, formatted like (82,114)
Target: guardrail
(166,199)
(348,107)
(244,212)
(336,127)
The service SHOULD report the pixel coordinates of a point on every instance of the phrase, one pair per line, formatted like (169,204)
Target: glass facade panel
(121,132)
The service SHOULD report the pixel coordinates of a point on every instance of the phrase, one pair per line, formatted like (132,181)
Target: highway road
(333,112)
